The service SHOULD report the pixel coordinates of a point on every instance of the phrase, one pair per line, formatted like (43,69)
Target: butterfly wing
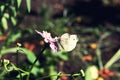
(68,41)
(64,40)
(72,42)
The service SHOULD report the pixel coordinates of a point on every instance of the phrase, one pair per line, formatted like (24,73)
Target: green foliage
(4,23)
(30,55)
(9,11)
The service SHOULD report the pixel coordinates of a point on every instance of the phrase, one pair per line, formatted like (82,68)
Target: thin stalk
(98,52)
(17,58)
(17,54)
(113,59)
(20,75)
(18,69)
(58,76)
(72,75)
(36,60)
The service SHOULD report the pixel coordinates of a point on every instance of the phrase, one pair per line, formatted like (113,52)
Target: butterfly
(68,41)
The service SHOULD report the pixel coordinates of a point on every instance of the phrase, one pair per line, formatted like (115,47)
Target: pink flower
(48,39)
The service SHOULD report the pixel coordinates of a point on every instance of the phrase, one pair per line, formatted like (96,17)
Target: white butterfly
(68,41)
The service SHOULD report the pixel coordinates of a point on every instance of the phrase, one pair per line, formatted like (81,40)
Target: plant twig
(36,60)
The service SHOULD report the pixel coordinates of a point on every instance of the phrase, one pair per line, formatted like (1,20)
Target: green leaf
(19,3)
(61,55)
(6,15)
(52,72)
(28,5)
(113,59)
(14,12)
(30,55)
(13,20)
(4,23)
(2,7)
(13,37)
(35,70)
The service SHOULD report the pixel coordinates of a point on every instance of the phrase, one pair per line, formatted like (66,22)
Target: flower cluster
(48,39)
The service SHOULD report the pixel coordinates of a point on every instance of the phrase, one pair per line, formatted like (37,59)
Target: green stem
(36,60)
(17,58)
(20,75)
(28,77)
(72,75)
(58,76)
(18,69)
(17,54)
(113,59)
(98,52)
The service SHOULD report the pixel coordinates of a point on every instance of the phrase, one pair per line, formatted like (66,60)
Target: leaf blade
(19,3)
(28,2)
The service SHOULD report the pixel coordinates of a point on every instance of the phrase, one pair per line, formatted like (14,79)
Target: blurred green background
(96,22)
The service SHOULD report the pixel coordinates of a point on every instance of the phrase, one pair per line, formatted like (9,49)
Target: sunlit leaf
(6,15)
(4,23)
(35,70)
(13,37)
(19,3)
(13,11)
(2,7)
(52,72)
(13,20)
(30,55)
(28,5)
